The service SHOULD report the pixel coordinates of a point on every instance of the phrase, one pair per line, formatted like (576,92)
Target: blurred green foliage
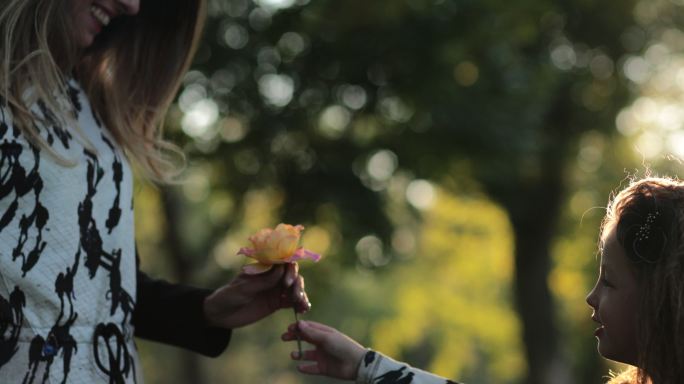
(448,157)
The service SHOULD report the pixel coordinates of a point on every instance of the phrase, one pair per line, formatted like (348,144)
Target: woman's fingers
(300,299)
(293,293)
(295,297)
(252,284)
(291,274)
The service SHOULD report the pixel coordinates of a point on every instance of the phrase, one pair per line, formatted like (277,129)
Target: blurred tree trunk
(534,227)
(181,265)
(534,207)
(534,199)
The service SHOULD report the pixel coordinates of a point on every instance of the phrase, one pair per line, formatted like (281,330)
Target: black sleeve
(173,314)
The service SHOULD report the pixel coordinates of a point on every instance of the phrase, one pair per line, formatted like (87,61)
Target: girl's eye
(605,282)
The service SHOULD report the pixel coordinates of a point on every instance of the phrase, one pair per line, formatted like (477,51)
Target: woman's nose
(129,7)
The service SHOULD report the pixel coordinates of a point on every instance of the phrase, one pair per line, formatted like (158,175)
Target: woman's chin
(605,350)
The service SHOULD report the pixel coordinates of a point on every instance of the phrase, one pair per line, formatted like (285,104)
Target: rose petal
(301,254)
(294,229)
(256,268)
(285,246)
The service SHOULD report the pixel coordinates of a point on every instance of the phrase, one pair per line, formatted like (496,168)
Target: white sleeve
(376,368)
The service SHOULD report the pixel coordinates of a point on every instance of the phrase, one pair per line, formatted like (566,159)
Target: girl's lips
(599,331)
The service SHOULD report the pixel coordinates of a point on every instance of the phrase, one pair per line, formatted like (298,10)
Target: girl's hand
(249,298)
(336,355)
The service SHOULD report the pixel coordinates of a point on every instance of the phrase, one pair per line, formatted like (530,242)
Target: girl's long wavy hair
(130,74)
(649,214)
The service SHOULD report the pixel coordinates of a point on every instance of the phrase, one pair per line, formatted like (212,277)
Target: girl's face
(614,300)
(91,16)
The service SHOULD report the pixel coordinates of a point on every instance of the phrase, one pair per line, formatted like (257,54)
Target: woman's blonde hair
(130,74)
(649,219)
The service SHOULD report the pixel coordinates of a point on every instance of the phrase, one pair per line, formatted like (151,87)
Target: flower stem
(299,339)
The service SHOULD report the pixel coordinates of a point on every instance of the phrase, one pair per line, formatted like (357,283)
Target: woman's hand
(335,354)
(249,298)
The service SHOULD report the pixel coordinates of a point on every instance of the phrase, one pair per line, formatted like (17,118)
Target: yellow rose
(275,246)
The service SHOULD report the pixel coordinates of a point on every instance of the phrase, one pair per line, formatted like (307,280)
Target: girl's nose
(591,298)
(129,7)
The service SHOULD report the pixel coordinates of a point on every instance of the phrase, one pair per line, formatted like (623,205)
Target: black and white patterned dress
(67,255)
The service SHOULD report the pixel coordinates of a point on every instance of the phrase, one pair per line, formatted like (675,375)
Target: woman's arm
(201,320)
(173,314)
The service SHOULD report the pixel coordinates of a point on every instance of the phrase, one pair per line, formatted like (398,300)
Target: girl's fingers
(318,326)
(292,336)
(308,334)
(309,355)
(294,327)
(289,335)
(311,334)
(310,331)
(309,369)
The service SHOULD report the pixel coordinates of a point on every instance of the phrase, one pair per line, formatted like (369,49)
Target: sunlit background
(449,158)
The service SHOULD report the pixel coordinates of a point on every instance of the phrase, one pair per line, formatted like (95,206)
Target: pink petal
(256,268)
(301,254)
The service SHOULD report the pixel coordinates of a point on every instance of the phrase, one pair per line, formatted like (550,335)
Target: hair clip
(645,229)
(643,234)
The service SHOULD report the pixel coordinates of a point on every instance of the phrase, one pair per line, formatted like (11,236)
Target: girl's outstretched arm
(338,356)
(335,354)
